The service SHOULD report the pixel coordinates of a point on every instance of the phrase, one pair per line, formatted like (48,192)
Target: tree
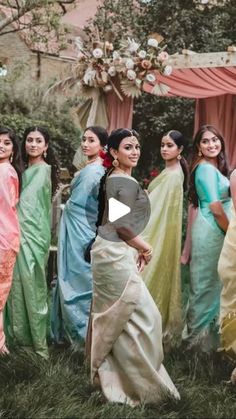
(40,19)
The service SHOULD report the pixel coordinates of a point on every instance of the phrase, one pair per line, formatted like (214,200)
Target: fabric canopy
(214,88)
(198,83)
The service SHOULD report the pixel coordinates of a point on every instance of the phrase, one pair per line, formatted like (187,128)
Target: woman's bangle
(147,253)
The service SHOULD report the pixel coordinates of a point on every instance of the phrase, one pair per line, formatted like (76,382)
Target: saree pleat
(163,233)
(9,236)
(126,352)
(27,308)
(227,273)
(73,292)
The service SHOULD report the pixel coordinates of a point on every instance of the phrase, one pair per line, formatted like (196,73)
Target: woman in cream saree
(126,350)
(227,273)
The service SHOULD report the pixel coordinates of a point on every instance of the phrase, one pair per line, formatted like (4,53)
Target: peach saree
(9,236)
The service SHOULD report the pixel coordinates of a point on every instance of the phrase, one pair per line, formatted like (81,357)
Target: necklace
(117,169)
(93,160)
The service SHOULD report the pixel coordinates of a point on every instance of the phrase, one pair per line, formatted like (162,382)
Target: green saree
(163,232)
(27,309)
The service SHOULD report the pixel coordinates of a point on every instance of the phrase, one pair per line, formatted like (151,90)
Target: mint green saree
(27,309)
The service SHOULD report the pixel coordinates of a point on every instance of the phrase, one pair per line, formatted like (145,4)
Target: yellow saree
(227,273)
(163,232)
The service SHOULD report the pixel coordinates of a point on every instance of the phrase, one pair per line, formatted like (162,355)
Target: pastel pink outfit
(9,236)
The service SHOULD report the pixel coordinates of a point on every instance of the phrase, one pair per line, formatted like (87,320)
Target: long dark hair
(16,162)
(100,132)
(180,141)
(50,158)
(114,141)
(195,159)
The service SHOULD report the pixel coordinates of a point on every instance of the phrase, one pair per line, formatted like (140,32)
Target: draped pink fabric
(214,89)
(120,114)
(198,83)
(220,111)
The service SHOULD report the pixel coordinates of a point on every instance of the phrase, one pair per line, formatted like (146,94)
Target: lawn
(60,388)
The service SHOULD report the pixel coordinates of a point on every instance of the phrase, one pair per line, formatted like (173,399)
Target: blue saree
(73,291)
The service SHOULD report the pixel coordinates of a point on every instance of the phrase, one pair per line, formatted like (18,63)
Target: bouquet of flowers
(99,65)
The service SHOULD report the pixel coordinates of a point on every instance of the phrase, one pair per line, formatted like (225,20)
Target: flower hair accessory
(107,161)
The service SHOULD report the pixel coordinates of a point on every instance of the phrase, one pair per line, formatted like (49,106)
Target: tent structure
(210,78)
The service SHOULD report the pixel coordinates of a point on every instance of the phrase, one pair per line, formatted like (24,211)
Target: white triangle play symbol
(116,209)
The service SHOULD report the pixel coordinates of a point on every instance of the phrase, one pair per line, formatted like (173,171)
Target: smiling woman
(126,349)
(209,192)
(27,308)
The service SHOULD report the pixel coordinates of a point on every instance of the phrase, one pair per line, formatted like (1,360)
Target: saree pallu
(73,291)
(202,329)
(9,236)
(227,273)
(126,350)
(163,233)
(27,308)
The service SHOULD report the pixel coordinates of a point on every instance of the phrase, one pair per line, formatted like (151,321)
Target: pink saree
(9,236)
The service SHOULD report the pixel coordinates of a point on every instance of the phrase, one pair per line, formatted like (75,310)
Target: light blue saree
(73,292)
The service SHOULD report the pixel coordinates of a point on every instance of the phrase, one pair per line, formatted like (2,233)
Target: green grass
(59,388)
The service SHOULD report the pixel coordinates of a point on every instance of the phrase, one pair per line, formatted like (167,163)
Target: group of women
(119,297)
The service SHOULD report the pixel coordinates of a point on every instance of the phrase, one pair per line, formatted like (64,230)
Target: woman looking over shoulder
(209,191)
(72,299)
(227,273)
(164,233)
(27,308)
(126,349)
(10,175)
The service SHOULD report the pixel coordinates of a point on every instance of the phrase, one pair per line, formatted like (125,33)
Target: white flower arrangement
(99,65)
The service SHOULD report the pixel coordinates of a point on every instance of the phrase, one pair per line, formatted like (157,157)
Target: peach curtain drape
(215,92)
(120,113)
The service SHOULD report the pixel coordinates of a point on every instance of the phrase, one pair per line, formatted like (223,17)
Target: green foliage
(22,108)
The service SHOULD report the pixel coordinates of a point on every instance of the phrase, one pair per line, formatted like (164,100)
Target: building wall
(35,66)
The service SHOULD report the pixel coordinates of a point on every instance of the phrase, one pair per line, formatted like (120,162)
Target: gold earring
(11,158)
(200,153)
(179,157)
(45,154)
(115,162)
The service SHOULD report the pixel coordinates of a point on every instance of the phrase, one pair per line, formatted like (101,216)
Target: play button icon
(125,210)
(116,210)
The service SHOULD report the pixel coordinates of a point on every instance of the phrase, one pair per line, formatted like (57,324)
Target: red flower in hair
(107,161)
(102,154)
